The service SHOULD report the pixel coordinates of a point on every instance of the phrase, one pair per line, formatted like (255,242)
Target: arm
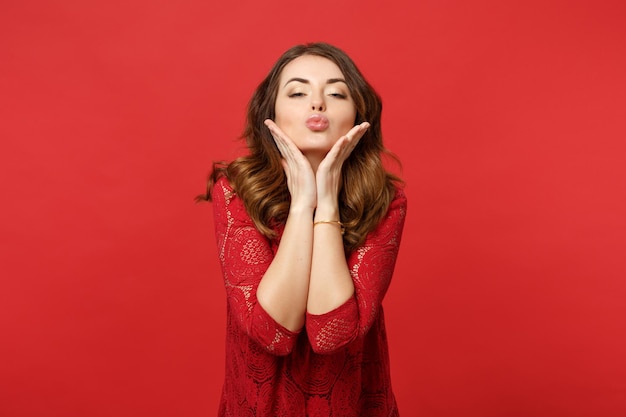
(331,284)
(284,288)
(371,268)
(245,256)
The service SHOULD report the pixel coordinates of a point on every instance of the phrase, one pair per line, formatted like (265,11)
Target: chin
(314,140)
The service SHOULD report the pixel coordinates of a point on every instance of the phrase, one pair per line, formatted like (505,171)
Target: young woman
(308,227)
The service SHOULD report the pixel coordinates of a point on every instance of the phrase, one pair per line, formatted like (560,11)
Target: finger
(358,131)
(280,137)
(285,168)
(349,141)
(275,130)
(273,127)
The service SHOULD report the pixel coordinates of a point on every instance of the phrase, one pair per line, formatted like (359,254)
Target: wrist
(336,223)
(301,211)
(327,212)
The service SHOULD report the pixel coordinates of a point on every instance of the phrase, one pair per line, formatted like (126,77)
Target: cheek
(287,121)
(282,113)
(349,117)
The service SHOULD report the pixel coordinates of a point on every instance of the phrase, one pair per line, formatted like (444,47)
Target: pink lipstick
(317,122)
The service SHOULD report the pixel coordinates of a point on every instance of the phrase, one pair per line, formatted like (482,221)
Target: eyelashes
(334,95)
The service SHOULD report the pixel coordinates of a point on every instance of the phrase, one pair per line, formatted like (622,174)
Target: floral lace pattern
(338,364)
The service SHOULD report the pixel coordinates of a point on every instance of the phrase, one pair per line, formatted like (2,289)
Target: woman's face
(313,104)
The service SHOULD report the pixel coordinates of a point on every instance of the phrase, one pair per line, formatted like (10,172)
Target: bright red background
(508,298)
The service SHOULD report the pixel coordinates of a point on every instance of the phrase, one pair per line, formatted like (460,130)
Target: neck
(315,159)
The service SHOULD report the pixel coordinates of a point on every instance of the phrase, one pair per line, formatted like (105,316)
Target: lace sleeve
(371,267)
(245,255)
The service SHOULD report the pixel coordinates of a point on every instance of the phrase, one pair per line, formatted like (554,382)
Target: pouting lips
(317,122)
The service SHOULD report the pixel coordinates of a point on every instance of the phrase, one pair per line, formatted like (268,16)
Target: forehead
(310,67)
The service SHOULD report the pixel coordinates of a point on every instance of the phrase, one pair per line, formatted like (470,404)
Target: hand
(300,175)
(328,176)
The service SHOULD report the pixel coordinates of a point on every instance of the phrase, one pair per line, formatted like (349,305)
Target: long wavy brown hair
(258,178)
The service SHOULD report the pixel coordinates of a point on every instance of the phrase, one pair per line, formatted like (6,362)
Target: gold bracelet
(337,222)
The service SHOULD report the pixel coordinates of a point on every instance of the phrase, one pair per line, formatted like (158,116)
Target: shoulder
(222,183)
(393,220)
(399,200)
(222,187)
(222,192)
(396,213)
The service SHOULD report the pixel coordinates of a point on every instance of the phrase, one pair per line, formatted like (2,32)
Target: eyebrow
(328,81)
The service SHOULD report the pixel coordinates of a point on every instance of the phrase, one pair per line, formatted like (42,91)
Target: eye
(296,95)
(338,95)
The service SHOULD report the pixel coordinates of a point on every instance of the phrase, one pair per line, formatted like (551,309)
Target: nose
(317,102)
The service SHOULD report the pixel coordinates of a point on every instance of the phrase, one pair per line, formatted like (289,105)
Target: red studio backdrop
(509,293)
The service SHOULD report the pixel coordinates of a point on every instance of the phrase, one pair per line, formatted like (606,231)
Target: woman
(308,228)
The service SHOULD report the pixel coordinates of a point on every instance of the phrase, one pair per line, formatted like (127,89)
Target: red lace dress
(338,364)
